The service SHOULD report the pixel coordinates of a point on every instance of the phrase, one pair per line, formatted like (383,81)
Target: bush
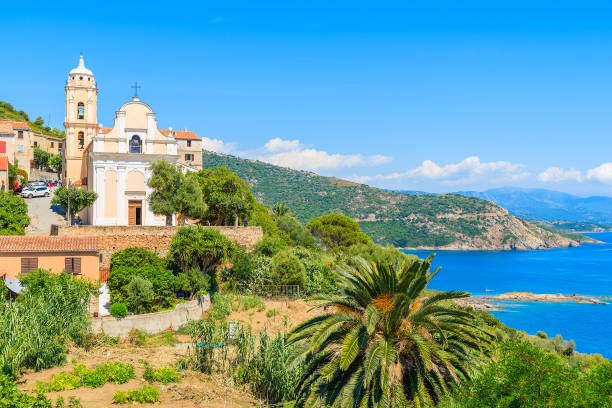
(287,269)
(319,277)
(164,375)
(298,234)
(139,294)
(198,247)
(131,262)
(270,246)
(34,329)
(119,310)
(146,394)
(13,214)
(11,397)
(117,373)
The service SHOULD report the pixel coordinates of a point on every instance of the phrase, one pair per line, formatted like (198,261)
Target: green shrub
(288,270)
(130,262)
(11,397)
(270,245)
(13,214)
(146,394)
(297,232)
(139,294)
(119,310)
(117,372)
(164,375)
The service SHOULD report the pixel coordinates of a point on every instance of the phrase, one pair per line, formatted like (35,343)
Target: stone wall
(153,323)
(155,238)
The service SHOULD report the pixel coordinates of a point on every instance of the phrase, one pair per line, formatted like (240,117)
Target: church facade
(115,162)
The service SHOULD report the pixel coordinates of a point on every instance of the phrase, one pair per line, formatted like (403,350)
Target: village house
(76,255)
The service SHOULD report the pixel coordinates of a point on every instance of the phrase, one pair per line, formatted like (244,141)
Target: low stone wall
(112,238)
(153,323)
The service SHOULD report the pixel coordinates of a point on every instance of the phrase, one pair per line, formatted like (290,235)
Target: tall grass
(35,327)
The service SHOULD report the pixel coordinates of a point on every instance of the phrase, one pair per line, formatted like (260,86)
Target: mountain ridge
(445,221)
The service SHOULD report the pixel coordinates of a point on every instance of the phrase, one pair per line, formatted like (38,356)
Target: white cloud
(601,173)
(279,145)
(216,145)
(293,154)
(556,174)
(468,170)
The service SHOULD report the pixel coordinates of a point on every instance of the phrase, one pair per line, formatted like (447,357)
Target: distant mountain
(448,221)
(548,205)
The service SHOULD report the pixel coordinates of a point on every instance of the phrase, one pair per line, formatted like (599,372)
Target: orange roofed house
(79,256)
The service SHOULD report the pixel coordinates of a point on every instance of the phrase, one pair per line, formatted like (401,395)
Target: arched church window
(135,144)
(80,111)
(81,139)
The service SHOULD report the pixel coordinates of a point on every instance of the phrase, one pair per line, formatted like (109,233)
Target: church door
(135,212)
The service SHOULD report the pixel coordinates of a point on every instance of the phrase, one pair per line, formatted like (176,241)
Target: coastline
(488,303)
(452,247)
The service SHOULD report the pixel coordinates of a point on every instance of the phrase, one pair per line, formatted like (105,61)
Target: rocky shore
(491,303)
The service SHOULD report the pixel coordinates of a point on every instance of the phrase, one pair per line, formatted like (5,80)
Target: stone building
(16,141)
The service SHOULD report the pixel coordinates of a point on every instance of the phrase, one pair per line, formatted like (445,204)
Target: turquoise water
(586,270)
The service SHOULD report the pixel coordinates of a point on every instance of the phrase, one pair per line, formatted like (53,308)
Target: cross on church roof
(136,86)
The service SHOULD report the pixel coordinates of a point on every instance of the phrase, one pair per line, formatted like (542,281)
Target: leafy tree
(41,158)
(337,231)
(192,282)
(131,262)
(287,269)
(165,181)
(174,192)
(139,294)
(56,163)
(16,175)
(13,214)
(296,231)
(199,247)
(270,245)
(384,344)
(77,198)
(228,196)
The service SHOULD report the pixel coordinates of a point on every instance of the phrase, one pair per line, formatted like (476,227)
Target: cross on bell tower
(136,87)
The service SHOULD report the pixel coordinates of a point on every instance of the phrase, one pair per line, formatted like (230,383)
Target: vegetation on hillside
(8,112)
(402,220)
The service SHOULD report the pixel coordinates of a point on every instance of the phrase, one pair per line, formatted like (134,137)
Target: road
(42,216)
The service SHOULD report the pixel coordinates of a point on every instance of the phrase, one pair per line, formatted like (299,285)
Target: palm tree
(281,209)
(385,343)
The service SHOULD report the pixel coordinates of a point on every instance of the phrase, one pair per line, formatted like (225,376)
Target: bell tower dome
(80,120)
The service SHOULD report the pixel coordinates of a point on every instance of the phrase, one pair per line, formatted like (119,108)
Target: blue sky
(435,96)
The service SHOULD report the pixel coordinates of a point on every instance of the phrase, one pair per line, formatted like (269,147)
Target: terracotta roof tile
(17,243)
(104,130)
(6,128)
(181,134)
(3,163)
(16,125)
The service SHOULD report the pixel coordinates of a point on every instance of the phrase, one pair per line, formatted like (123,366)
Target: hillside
(448,221)
(8,112)
(549,205)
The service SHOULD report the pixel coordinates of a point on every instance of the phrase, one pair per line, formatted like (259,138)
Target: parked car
(35,191)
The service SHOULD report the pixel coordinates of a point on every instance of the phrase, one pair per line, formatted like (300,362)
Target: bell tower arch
(81,120)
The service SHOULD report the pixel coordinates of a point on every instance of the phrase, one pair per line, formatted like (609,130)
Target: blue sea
(586,270)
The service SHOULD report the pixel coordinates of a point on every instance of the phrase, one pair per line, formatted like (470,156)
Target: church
(115,162)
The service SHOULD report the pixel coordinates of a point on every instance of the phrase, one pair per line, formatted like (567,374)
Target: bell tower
(81,121)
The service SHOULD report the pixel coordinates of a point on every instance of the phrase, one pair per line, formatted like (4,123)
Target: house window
(28,265)
(20,163)
(2,147)
(81,139)
(51,144)
(73,266)
(20,148)
(135,145)
(189,157)
(59,145)
(80,111)
(20,134)
(189,143)
(35,144)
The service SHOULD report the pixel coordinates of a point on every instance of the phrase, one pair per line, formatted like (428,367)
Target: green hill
(8,112)
(448,220)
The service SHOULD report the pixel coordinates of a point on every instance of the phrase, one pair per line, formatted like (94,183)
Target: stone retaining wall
(153,323)
(113,238)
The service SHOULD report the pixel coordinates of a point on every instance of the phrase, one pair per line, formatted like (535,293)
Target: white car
(35,191)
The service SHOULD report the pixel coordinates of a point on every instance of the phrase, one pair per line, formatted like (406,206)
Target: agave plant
(384,342)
